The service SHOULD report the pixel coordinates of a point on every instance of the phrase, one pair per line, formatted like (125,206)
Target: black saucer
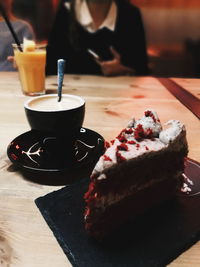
(28,153)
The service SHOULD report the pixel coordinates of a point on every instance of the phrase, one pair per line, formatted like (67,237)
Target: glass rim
(36,46)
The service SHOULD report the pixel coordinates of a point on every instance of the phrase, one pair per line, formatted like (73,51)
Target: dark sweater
(128,40)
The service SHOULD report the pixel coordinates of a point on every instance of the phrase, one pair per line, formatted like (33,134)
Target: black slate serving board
(154,240)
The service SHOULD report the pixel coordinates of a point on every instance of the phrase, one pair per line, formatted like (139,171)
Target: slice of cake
(141,168)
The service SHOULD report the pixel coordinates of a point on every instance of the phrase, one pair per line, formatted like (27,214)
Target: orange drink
(31,68)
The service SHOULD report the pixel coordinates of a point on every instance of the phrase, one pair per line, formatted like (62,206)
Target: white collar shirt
(85,19)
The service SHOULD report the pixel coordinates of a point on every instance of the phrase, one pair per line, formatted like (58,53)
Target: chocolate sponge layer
(100,224)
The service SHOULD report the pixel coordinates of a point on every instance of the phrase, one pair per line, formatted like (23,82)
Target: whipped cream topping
(140,137)
(151,121)
(174,129)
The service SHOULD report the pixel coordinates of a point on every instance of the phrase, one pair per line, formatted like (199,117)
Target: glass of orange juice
(31,67)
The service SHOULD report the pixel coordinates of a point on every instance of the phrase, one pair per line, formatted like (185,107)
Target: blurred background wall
(173,36)
(39,13)
(172,31)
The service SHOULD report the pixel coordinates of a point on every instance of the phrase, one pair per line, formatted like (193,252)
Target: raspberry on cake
(140,169)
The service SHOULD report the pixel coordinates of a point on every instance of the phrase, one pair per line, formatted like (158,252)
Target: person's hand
(12,59)
(114,67)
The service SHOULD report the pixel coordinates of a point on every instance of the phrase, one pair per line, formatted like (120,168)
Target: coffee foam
(50,103)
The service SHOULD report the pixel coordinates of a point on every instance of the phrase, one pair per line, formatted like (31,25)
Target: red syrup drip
(121,133)
(88,195)
(106,144)
(149,133)
(107,158)
(123,147)
(149,113)
(121,136)
(122,139)
(120,158)
(140,133)
(137,145)
(131,142)
(129,131)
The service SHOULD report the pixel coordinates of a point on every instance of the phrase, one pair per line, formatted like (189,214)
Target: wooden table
(25,238)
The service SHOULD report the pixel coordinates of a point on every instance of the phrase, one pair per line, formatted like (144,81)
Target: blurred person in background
(23,30)
(112,29)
